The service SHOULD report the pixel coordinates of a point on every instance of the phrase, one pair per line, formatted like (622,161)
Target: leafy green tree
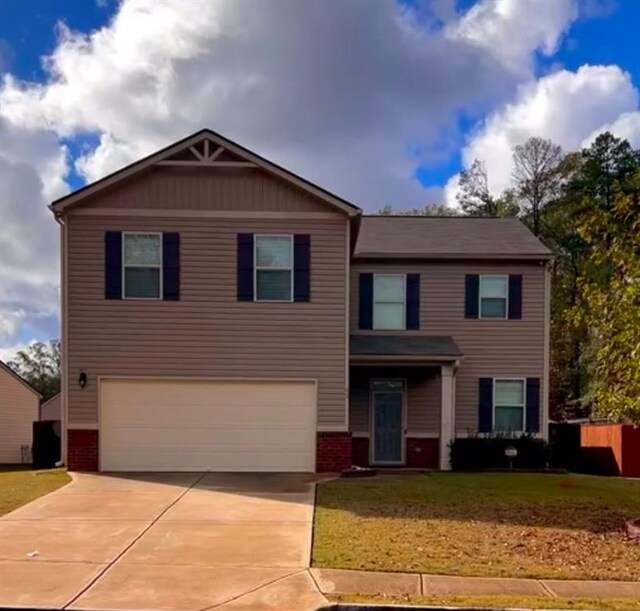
(39,364)
(610,285)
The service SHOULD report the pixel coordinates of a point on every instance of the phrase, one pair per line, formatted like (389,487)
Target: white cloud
(342,92)
(569,108)
(512,29)
(626,126)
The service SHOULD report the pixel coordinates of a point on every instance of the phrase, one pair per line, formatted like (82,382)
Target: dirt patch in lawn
(540,526)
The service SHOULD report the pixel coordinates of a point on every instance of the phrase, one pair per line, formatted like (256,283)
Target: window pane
(273,251)
(388,316)
(493,286)
(273,285)
(388,288)
(142,282)
(381,385)
(509,392)
(508,419)
(142,249)
(493,308)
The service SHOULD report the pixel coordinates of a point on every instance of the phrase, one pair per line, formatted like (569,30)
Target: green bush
(479,453)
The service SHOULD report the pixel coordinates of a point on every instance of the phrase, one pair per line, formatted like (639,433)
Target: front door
(388,428)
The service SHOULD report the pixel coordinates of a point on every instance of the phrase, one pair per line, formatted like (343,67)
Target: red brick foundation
(333,452)
(360,450)
(423,453)
(82,446)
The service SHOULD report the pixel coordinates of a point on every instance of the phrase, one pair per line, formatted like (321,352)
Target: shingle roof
(404,345)
(447,237)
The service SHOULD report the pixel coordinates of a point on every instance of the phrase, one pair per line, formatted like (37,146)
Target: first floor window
(493,296)
(508,405)
(142,265)
(389,301)
(273,268)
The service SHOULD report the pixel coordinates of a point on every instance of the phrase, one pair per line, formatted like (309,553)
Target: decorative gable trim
(205,149)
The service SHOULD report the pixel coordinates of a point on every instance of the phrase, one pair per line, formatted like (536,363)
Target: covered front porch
(402,400)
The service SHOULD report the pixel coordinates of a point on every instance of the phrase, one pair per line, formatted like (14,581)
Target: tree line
(585,206)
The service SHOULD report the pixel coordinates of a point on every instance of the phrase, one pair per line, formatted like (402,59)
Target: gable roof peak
(208,150)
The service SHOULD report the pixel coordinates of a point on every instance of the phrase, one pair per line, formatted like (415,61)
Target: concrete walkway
(334,581)
(171,542)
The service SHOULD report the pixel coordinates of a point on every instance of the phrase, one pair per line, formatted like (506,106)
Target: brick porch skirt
(82,446)
(333,452)
(421,453)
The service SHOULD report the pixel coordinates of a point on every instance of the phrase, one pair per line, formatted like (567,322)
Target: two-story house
(221,313)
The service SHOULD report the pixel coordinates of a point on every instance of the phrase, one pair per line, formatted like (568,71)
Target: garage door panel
(207,425)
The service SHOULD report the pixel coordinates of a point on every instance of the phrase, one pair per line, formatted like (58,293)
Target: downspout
(63,328)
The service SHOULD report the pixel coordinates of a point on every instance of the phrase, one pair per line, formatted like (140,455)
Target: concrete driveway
(163,541)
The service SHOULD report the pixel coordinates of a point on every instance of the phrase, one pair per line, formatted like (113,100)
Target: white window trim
(156,266)
(257,268)
(524,403)
(506,296)
(404,302)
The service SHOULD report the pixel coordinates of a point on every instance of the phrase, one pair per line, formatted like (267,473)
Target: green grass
(500,602)
(19,486)
(480,524)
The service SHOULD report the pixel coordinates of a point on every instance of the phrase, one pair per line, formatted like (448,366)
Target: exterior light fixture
(82,379)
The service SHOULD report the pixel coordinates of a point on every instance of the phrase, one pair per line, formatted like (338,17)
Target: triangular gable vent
(207,153)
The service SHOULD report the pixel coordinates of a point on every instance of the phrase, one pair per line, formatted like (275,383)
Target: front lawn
(19,486)
(484,524)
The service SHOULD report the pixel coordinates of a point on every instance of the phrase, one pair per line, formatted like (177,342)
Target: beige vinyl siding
(208,333)
(423,397)
(18,410)
(52,409)
(232,189)
(492,348)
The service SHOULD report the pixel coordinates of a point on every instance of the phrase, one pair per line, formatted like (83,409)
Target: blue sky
(383,103)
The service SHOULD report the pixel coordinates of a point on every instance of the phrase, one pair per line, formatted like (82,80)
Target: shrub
(478,453)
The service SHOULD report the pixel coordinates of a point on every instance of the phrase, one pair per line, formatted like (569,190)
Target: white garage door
(179,425)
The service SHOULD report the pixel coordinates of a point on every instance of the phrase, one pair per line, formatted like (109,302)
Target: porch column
(447,415)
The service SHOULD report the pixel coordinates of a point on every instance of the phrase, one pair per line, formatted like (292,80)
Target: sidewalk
(336,581)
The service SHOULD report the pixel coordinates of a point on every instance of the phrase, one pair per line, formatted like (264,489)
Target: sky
(383,102)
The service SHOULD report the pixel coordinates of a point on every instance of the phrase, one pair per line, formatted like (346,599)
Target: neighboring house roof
(196,150)
(20,379)
(440,347)
(447,238)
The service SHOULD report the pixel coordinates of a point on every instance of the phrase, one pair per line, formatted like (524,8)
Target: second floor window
(389,301)
(142,265)
(493,296)
(273,268)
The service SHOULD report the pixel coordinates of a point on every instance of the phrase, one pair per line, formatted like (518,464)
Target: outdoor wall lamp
(82,379)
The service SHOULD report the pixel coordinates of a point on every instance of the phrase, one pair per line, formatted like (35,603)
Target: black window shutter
(515,296)
(366,301)
(533,405)
(245,267)
(113,265)
(471,295)
(485,405)
(301,267)
(171,266)
(413,301)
